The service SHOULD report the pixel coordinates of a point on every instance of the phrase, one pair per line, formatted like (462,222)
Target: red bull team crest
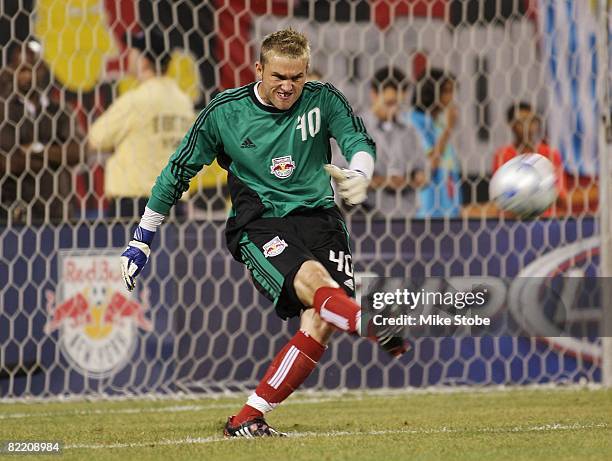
(282,167)
(274,247)
(96,322)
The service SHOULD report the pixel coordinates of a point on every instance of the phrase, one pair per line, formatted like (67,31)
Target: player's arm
(198,148)
(355,144)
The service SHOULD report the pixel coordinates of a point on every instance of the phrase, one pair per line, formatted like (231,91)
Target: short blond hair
(286,42)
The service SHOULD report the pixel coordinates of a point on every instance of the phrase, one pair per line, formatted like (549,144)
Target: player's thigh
(330,245)
(273,255)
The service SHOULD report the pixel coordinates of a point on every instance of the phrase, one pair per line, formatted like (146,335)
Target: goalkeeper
(272,136)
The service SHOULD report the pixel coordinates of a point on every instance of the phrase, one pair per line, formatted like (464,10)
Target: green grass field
(541,424)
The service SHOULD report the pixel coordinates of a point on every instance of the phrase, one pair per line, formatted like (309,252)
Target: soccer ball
(524,186)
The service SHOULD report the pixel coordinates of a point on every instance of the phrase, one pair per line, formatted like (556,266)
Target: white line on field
(168,409)
(450,388)
(441,430)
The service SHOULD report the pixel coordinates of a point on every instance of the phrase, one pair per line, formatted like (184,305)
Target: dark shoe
(253,428)
(394,345)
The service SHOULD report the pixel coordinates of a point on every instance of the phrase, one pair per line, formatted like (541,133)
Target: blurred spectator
(143,126)
(400,160)
(526,130)
(434,116)
(39,142)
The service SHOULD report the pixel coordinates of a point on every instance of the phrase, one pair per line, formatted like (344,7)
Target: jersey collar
(259,103)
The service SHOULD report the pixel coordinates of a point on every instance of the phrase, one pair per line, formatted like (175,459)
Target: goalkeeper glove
(352,184)
(135,256)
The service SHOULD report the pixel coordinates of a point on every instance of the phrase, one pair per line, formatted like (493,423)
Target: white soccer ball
(524,186)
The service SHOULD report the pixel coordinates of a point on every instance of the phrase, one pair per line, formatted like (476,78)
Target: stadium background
(197,324)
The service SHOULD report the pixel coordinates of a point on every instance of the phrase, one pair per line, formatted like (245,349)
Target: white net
(197,323)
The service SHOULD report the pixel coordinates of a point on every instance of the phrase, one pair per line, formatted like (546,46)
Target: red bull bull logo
(282,167)
(274,247)
(96,323)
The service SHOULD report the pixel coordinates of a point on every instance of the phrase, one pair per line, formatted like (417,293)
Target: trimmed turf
(547,424)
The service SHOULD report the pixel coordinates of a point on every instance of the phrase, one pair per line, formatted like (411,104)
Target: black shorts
(273,249)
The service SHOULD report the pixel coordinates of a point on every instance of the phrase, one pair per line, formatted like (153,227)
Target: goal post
(196,323)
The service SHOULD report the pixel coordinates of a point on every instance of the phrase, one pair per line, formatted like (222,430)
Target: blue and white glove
(135,256)
(352,184)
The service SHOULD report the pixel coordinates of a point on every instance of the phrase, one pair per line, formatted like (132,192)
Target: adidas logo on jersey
(247,144)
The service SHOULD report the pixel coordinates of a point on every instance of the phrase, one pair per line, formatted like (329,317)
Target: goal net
(195,322)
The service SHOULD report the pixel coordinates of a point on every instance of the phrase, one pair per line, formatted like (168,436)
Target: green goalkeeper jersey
(274,158)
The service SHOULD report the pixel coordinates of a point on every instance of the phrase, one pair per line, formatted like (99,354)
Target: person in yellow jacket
(142,127)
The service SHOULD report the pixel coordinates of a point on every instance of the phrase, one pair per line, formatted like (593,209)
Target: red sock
(289,369)
(335,307)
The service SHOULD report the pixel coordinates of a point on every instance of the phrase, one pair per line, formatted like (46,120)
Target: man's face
(526,126)
(282,80)
(385,103)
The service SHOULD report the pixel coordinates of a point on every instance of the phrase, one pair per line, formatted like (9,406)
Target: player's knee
(315,326)
(310,277)
(313,275)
